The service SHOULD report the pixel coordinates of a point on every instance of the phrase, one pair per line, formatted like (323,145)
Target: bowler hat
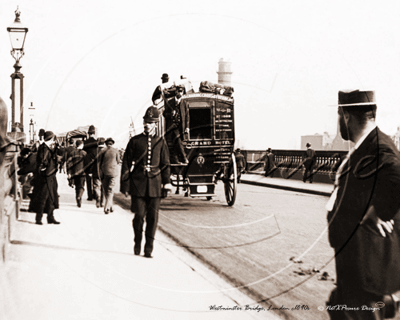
(48,135)
(41,132)
(101,141)
(165,76)
(269,149)
(110,140)
(92,129)
(308,145)
(356,98)
(151,115)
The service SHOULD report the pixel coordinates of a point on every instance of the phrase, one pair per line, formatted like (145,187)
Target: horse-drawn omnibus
(209,146)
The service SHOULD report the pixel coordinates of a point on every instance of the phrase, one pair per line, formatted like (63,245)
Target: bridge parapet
(289,164)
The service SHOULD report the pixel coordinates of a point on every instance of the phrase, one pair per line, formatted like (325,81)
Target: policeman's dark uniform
(46,198)
(145,167)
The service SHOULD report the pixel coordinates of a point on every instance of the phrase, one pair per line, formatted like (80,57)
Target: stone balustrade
(289,163)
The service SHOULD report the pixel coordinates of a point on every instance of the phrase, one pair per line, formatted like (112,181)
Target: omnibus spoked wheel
(230,181)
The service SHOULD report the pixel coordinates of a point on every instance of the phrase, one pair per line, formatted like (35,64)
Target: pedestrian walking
(90,147)
(145,173)
(76,168)
(109,160)
(363,215)
(97,173)
(308,163)
(240,163)
(46,196)
(269,163)
(67,154)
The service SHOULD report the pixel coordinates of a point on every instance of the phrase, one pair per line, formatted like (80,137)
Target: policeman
(145,173)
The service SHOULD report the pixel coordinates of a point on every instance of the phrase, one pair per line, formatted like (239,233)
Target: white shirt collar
(359,142)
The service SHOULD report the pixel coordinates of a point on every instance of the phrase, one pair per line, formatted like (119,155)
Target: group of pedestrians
(94,161)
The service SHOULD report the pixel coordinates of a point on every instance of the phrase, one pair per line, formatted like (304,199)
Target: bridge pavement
(321,189)
(84,268)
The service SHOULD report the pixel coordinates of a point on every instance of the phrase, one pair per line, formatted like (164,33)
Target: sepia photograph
(199,160)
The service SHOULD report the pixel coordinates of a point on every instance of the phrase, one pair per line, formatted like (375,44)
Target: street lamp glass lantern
(17,32)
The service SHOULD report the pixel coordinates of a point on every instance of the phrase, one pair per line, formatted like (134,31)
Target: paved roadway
(85,269)
(251,243)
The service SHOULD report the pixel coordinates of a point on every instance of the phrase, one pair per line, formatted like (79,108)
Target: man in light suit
(145,173)
(364,224)
(109,161)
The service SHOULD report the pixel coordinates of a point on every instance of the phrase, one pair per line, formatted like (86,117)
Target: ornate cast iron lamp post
(17,34)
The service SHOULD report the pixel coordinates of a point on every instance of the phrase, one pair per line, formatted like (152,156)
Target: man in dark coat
(97,174)
(46,197)
(145,172)
(309,160)
(76,170)
(177,123)
(269,163)
(240,163)
(109,168)
(364,224)
(67,153)
(90,148)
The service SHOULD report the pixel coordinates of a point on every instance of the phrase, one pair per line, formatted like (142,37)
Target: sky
(98,62)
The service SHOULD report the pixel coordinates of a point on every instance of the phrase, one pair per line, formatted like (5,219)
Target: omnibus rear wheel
(230,181)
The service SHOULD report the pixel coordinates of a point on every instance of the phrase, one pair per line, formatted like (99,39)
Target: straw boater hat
(356,98)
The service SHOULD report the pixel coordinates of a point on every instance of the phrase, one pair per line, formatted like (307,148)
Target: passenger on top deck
(164,90)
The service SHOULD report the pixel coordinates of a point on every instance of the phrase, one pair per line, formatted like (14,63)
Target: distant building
(396,138)
(317,141)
